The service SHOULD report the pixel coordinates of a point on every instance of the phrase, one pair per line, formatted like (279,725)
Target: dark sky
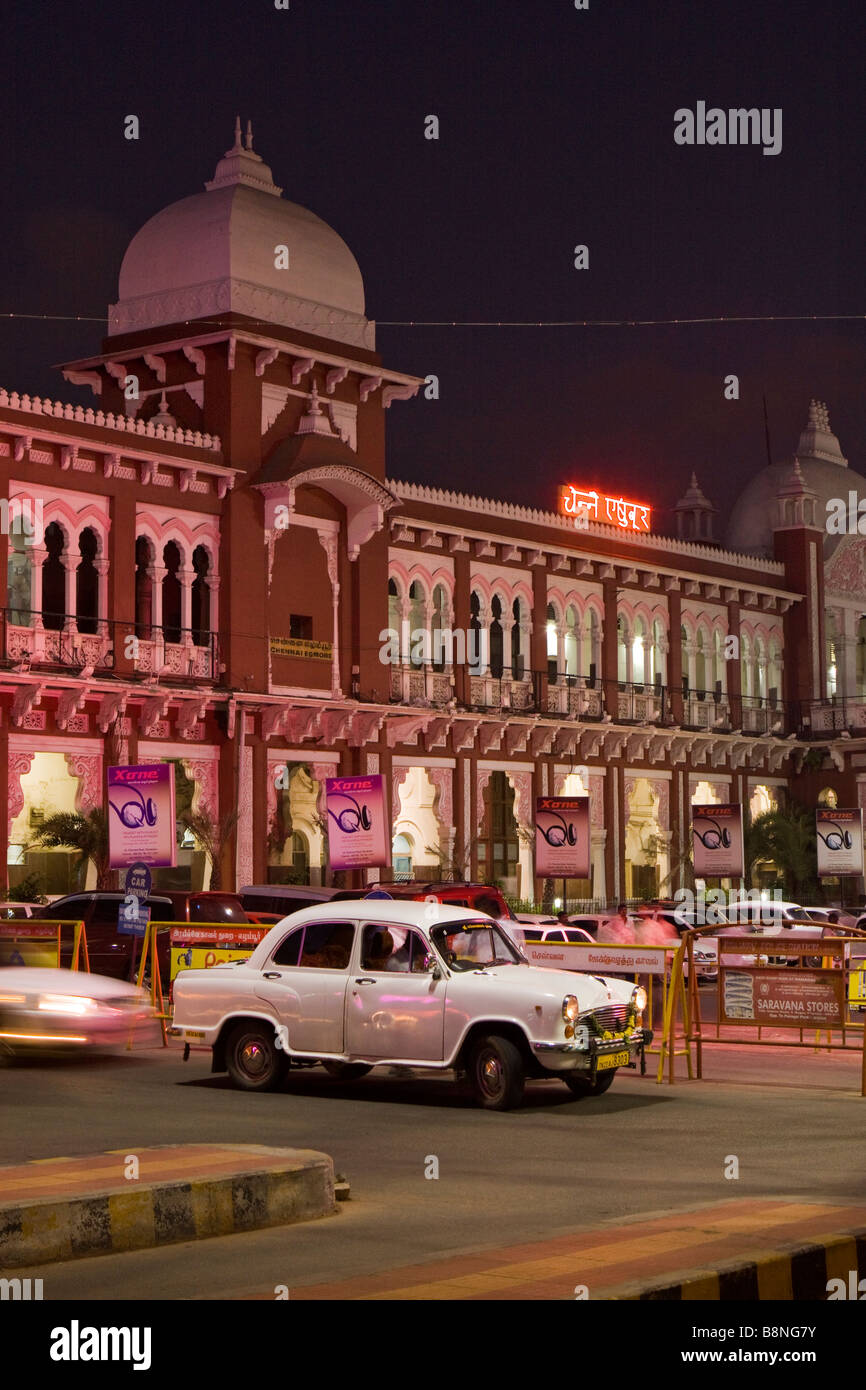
(556,129)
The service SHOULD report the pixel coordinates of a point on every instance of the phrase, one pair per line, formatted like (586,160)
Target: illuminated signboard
(592,506)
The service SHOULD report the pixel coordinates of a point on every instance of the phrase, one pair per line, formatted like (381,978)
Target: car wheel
(581,1086)
(346,1071)
(498,1074)
(253,1059)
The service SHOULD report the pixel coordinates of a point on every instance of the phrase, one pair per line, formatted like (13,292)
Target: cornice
(105,420)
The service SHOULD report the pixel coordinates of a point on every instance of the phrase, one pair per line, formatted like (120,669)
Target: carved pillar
(330,546)
(482,777)
(186,578)
(38,556)
(101,567)
(87,767)
(19,766)
(70,567)
(443,808)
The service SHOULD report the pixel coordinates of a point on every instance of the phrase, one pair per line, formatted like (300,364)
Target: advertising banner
(717,841)
(562,837)
(359,835)
(141,816)
(607,960)
(200,948)
(840,842)
(782,998)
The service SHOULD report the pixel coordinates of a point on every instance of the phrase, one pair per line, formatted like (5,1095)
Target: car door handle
(365,981)
(273,975)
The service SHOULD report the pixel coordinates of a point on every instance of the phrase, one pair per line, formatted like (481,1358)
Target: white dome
(217,252)
(825,470)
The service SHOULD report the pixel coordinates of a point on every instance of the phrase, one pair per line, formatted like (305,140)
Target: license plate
(612,1059)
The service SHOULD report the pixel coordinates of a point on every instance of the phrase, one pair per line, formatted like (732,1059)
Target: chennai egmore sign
(585,506)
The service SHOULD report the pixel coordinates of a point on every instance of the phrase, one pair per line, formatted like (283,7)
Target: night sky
(556,128)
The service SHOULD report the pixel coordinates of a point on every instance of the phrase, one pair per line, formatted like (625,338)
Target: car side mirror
(432,967)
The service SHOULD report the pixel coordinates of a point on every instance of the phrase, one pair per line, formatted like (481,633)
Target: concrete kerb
(266,1187)
(795,1273)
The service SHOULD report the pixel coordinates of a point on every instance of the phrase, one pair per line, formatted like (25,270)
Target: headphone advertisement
(562,837)
(717,839)
(840,842)
(358,826)
(141,816)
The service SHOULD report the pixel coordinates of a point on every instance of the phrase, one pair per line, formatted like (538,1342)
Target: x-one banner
(141,816)
(840,842)
(717,841)
(562,837)
(358,827)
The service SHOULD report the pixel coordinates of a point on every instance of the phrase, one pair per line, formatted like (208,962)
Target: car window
(68,907)
(327,945)
(485,902)
(393,948)
(289,950)
(105,911)
(531,934)
(554,936)
(215,910)
(474,945)
(575,936)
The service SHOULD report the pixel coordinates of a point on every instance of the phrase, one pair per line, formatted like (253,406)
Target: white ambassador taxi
(355,985)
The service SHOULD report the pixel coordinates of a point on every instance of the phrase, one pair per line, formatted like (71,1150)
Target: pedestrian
(617,929)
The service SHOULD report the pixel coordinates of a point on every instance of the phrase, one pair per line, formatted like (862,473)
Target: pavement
(556,1169)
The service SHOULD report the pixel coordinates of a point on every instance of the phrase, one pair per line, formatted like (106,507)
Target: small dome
(218,251)
(825,471)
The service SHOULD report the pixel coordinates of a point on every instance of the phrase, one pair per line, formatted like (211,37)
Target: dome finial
(249,135)
(237,145)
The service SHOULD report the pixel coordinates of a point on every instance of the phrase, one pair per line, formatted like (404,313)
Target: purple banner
(717,840)
(562,837)
(141,816)
(358,827)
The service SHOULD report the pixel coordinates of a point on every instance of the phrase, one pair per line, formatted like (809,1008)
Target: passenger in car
(379,951)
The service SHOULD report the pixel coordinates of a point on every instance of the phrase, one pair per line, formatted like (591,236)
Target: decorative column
(329,544)
(204,772)
(101,567)
(19,766)
(443,809)
(70,566)
(38,556)
(186,578)
(482,777)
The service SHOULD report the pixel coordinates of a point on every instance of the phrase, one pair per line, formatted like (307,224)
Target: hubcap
(254,1059)
(491,1074)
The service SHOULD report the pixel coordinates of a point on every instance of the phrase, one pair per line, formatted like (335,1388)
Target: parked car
(54,1010)
(281,898)
(16,912)
(557,932)
(109,950)
(776,920)
(705,955)
(481,897)
(321,988)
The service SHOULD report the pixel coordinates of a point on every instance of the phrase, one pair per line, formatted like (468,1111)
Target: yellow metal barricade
(47,943)
(203,943)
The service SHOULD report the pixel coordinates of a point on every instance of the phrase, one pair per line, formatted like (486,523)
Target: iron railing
(49,640)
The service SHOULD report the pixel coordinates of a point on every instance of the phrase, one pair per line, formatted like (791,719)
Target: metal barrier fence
(811,984)
(15,934)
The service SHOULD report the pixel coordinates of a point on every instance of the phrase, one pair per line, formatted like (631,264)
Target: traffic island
(99,1204)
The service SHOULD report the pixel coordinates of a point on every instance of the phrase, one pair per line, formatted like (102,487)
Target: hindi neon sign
(614,511)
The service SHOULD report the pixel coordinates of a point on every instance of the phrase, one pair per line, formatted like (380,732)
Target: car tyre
(253,1060)
(580,1086)
(497,1073)
(346,1071)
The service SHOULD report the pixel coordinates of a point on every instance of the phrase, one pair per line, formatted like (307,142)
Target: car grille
(610,1020)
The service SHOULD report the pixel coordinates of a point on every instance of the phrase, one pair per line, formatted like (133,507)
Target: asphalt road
(794,1121)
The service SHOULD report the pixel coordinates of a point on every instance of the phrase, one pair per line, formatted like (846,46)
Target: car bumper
(568,1056)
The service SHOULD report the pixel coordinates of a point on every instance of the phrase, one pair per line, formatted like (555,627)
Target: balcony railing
(841,714)
(171,653)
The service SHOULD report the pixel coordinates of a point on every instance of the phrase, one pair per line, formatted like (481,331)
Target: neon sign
(615,511)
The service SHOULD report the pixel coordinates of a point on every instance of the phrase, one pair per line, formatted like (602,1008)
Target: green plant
(27,891)
(85,832)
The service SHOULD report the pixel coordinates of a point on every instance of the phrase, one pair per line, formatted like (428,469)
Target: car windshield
(472,945)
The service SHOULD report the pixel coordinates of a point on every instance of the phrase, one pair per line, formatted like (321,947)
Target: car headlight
(66,1003)
(638,999)
(570,1008)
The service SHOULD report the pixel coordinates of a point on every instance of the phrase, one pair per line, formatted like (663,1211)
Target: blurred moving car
(55,1010)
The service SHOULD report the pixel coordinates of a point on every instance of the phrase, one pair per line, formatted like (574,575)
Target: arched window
(552,645)
(437,627)
(401,857)
(18,579)
(395,617)
(143,589)
(497,661)
(589,665)
(621,651)
(684,657)
(657,672)
(759,684)
(638,652)
(476,658)
(171,606)
(571,633)
(87,583)
(701,664)
(200,597)
(54,579)
(516,642)
(745,664)
(774,674)
(718,664)
(417,625)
